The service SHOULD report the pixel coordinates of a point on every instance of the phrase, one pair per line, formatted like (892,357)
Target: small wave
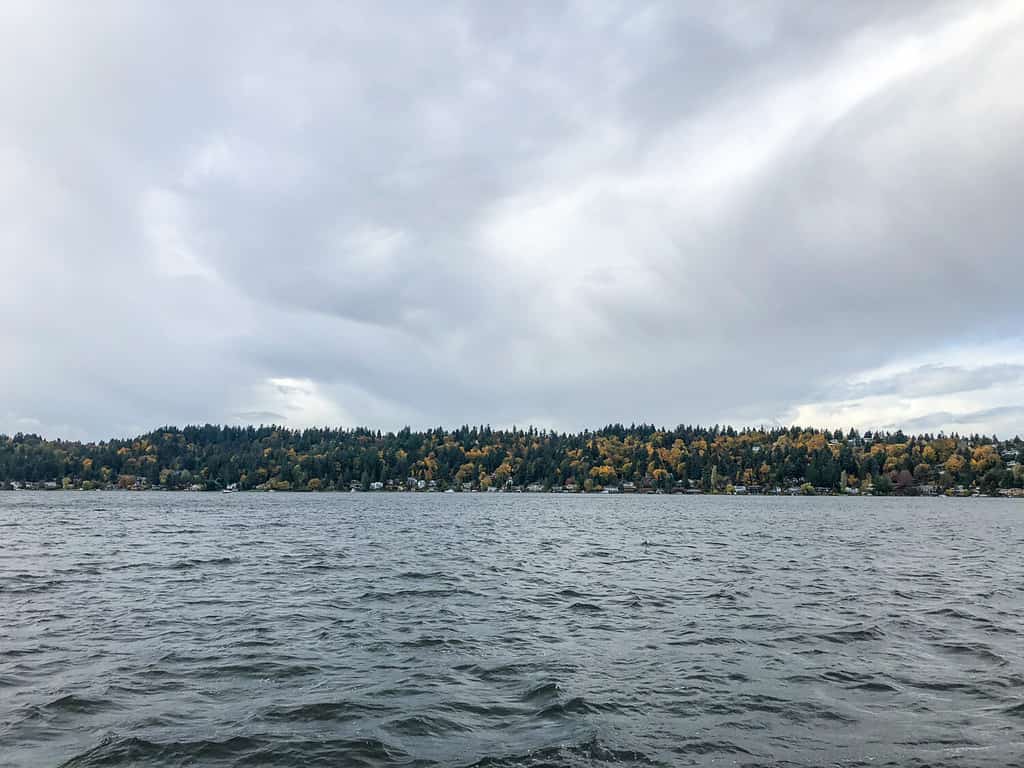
(433,642)
(335,711)
(845,676)
(16,652)
(943,686)
(113,750)
(480,709)
(977,650)
(426,725)
(263,670)
(577,705)
(173,531)
(796,711)
(702,640)
(68,705)
(514,671)
(852,635)
(949,612)
(711,748)
(240,750)
(129,566)
(730,595)
(1009,680)
(545,691)
(77,704)
(407,593)
(182,565)
(876,686)
(421,575)
(30,583)
(318,567)
(589,753)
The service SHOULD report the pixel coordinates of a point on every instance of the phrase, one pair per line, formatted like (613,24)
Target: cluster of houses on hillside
(679,487)
(49,485)
(413,485)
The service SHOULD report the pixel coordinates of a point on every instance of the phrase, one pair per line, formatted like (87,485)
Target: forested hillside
(480,458)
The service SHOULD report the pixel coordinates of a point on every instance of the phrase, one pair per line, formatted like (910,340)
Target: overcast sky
(561,214)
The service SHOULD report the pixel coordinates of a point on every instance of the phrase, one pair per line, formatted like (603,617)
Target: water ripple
(509,631)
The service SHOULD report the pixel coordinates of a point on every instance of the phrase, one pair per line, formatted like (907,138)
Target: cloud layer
(563,214)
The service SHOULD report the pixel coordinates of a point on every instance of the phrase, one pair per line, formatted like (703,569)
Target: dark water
(373,630)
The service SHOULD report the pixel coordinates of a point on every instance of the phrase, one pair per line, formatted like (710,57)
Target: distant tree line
(641,457)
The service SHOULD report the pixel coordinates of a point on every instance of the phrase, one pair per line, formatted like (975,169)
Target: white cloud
(983,391)
(300,402)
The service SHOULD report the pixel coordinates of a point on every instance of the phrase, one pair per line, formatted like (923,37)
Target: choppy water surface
(373,629)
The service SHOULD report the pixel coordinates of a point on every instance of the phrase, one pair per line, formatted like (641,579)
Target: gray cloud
(560,213)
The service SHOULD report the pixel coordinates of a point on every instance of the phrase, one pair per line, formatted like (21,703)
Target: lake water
(509,630)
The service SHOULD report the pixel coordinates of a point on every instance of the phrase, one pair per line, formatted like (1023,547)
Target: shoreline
(1010,493)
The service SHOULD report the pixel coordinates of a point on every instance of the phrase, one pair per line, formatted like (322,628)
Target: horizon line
(888,430)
